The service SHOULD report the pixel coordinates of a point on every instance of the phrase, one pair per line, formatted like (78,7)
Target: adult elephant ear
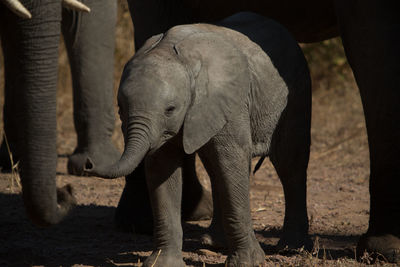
(220,82)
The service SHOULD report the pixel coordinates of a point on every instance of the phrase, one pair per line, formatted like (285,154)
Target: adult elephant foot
(384,247)
(294,239)
(100,155)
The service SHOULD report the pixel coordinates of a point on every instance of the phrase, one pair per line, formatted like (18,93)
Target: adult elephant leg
(31,51)
(371,37)
(90,41)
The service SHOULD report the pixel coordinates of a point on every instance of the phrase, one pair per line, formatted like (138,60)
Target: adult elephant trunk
(31,57)
(136,147)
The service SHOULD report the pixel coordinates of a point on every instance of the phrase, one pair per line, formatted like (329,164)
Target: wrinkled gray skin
(30,48)
(370,32)
(207,89)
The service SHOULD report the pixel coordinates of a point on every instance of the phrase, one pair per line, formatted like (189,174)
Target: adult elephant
(30,48)
(370,30)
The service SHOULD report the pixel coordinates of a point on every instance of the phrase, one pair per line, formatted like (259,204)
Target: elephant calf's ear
(220,77)
(202,122)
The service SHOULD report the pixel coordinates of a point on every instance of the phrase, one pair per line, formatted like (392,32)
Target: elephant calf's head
(188,79)
(154,95)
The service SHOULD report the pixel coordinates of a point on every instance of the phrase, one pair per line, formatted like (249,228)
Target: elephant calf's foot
(103,155)
(214,237)
(383,247)
(254,256)
(164,258)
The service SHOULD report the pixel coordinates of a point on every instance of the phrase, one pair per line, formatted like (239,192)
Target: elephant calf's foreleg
(164,181)
(230,173)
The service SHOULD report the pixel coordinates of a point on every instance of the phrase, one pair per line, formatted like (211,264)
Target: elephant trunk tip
(133,155)
(45,216)
(65,196)
(88,165)
(91,169)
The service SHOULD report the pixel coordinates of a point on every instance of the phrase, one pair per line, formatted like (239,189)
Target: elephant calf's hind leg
(196,200)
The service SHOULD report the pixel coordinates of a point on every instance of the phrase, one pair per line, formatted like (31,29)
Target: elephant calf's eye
(169,110)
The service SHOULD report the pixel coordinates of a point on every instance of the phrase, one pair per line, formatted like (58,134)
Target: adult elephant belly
(308,21)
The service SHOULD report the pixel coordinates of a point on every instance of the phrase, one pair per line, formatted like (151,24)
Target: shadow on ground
(326,245)
(87,237)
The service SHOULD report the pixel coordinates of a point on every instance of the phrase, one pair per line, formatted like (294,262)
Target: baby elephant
(229,92)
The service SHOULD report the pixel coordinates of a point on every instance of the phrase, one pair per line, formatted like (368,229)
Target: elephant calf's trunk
(130,159)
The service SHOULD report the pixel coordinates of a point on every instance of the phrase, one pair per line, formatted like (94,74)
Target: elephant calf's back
(280,79)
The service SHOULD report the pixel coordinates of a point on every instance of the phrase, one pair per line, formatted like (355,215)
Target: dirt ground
(338,197)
